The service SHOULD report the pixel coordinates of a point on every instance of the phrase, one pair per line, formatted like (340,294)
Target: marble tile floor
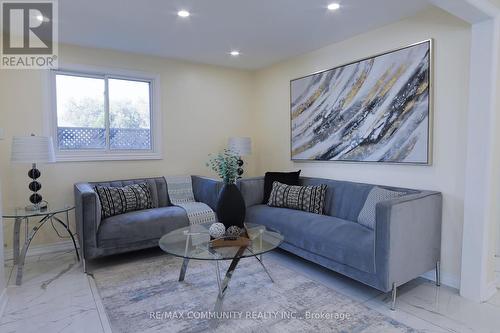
(57,297)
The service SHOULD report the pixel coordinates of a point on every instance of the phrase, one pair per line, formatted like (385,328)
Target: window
(104,115)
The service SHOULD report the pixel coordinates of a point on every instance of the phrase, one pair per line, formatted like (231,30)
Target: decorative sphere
(35,198)
(233,231)
(240,171)
(217,230)
(35,186)
(34,173)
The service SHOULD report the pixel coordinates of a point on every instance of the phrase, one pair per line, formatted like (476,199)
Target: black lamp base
(240,167)
(34,186)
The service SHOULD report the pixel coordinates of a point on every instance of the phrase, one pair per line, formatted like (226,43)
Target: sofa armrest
(407,237)
(206,190)
(88,217)
(252,190)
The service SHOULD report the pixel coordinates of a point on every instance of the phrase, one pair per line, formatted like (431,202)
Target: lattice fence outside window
(72,138)
(130,138)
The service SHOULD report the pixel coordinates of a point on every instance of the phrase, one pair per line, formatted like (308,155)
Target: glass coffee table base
(223,285)
(259,259)
(193,242)
(183,269)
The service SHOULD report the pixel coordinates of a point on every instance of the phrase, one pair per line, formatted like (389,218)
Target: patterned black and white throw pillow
(120,200)
(306,198)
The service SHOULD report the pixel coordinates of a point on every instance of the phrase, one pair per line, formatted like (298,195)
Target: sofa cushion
(122,230)
(346,242)
(120,200)
(367,216)
(307,198)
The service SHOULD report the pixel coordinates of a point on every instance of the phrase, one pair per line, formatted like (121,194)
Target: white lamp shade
(32,149)
(240,145)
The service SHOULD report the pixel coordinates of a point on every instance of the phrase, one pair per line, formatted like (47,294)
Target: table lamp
(33,149)
(242,146)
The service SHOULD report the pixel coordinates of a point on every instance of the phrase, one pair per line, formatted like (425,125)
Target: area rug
(145,296)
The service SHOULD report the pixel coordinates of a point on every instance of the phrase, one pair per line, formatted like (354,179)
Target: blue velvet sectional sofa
(405,244)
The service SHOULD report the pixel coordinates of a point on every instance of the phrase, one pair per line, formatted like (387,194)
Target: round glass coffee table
(193,242)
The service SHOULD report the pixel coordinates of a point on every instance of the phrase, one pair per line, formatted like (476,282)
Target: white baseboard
(446,279)
(3,301)
(36,250)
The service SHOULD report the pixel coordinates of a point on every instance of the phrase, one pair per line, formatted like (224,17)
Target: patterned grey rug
(145,296)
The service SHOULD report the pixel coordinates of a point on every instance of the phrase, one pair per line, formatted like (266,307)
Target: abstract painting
(373,110)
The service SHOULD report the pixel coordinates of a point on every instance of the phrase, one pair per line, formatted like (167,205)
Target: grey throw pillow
(367,216)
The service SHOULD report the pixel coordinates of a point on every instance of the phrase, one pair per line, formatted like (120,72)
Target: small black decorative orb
(233,231)
(240,171)
(34,173)
(35,198)
(240,162)
(35,186)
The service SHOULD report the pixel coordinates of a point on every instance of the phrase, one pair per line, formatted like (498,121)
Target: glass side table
(20,215)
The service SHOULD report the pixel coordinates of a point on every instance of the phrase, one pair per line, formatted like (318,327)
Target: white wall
(496,176)
(480,191)
(202,106)
(451,60)
(3,283)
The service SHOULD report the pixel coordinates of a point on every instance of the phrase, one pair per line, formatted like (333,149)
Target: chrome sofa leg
(85,266)
(394,294)
(438,273)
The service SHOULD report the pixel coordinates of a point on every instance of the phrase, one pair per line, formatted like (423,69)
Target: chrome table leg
(438,273)
(17,234)
(22,256)
(262,264)
(227,279)
(265,269)
(66,226)
(394,294)
(225,284)
(217,272)
(183,269)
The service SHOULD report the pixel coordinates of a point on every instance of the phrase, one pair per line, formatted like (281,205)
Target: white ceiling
(265,31)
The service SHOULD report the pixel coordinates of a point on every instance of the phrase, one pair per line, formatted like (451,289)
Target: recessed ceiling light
(183,13)
(40,18)
(234,53)
(333,6)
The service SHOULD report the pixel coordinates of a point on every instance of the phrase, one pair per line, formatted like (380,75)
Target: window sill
(93,157)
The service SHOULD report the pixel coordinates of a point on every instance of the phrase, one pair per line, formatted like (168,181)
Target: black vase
(231,206)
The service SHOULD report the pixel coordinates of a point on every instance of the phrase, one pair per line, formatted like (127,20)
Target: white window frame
(74,155)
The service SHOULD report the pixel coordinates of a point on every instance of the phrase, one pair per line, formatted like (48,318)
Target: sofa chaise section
(405,243)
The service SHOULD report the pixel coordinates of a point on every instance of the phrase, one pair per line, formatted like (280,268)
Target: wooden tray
(238,242)
(242,241)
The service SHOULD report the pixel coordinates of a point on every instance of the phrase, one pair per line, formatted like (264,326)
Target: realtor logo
(29,39)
